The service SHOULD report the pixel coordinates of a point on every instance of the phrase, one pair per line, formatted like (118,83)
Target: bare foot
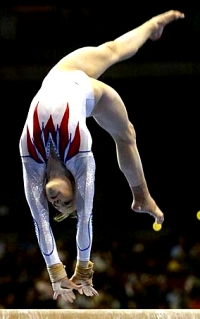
(149,206)
(161,20)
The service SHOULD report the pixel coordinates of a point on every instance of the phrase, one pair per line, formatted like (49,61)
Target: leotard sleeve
(83,169)
(34,177)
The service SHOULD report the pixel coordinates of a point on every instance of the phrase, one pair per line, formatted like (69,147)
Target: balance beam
(98,314)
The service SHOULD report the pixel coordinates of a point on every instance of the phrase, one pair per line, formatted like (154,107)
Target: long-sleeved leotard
(57,116)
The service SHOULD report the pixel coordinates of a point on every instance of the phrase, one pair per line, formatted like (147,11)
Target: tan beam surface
(98,314)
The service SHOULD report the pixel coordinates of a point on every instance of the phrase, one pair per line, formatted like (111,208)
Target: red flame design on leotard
(58,134)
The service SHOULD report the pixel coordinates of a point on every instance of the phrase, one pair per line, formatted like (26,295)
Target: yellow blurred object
(157,226)
(198,215)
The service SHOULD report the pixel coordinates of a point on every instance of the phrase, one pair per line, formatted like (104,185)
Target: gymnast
(56,149)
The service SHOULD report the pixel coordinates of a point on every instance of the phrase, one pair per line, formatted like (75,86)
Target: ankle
(140,191)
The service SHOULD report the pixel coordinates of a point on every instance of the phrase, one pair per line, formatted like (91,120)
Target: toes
(159,220)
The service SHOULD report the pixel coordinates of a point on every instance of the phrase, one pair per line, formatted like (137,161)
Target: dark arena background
(136,267)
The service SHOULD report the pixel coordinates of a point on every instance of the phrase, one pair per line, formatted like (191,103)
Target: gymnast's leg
(110,113)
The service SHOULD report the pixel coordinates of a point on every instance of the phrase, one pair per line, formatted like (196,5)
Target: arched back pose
(56,148)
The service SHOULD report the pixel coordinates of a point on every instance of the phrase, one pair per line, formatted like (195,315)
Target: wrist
(56,272)
(85,274)
(82,264)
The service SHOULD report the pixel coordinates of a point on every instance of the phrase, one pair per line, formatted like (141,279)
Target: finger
(55,295)
(80,290)
(89,291)
(69,297)
(68,294)
(92,291)
(70,285)
(77,287)
(95,293)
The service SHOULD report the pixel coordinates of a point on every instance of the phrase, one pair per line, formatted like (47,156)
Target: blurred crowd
(144,270)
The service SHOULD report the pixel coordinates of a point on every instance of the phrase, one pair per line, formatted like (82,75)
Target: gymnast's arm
(33,174)
(34,178)
(83,169)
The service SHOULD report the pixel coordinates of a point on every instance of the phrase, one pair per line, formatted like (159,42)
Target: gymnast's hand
(84,277)
(161,20)
(65,288)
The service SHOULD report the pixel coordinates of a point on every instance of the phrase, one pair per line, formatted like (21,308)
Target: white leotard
(57,116)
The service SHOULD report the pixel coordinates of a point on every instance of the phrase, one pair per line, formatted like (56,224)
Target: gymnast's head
(60,192)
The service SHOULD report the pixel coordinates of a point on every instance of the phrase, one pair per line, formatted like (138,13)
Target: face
(60,193)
